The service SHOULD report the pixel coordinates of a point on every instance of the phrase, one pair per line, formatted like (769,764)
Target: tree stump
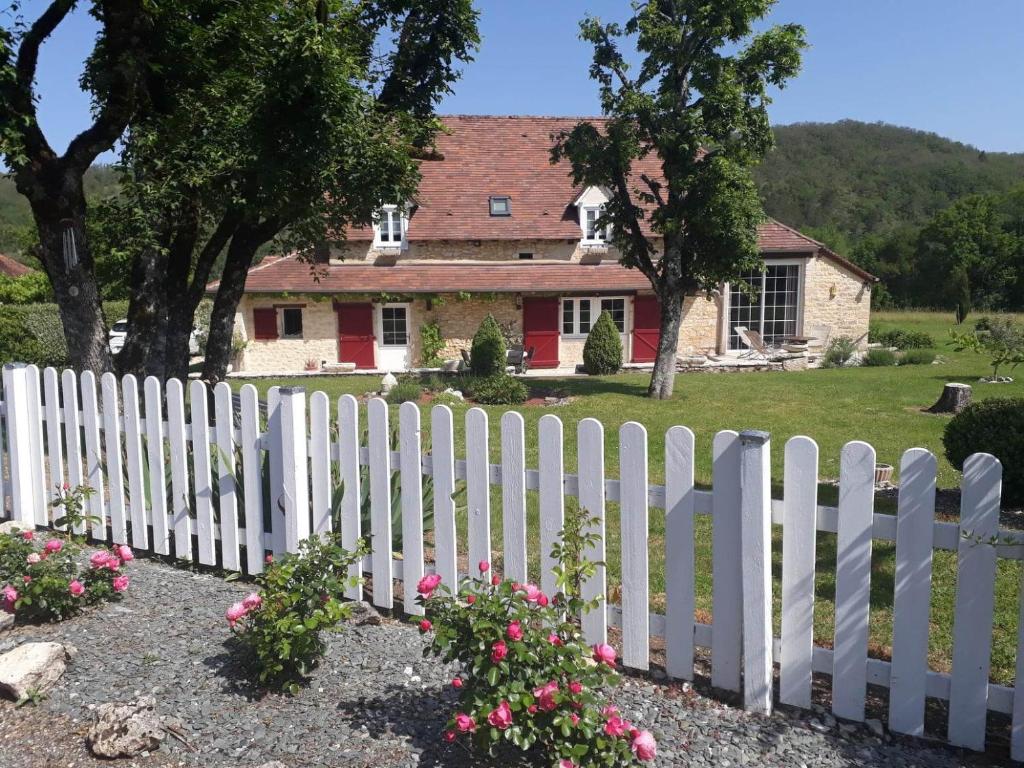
(955,397)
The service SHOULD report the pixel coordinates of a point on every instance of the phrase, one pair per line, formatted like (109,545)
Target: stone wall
(319,336)
(837,298)
(488,250)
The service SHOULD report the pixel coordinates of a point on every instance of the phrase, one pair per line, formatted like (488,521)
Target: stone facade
(836,298)
(476,250)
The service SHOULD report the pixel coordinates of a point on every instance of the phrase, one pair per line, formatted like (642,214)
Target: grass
(880,405)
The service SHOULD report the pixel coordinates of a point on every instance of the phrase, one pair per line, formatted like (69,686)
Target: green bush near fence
(33,333)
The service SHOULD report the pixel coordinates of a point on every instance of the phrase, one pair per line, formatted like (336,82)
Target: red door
(355,334)
(646,328)
(540,331)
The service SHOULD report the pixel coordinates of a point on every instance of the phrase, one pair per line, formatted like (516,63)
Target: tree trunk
(144,353)
(664,376)
(955,397)
(58,208)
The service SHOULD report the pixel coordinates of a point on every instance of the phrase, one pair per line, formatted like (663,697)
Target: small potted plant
(883,474)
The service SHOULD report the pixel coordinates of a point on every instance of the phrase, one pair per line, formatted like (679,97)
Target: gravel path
(373,702)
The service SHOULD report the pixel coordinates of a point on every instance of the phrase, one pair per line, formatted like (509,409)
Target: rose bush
(528,678)
(300,595)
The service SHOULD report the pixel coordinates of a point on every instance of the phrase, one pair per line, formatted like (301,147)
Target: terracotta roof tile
(13,268)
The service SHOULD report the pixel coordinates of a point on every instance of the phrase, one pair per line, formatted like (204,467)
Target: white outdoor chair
(756,345)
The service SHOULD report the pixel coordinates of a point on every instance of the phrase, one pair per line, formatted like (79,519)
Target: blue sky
(953,67)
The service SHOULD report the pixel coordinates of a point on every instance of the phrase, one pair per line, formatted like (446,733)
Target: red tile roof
(13,268)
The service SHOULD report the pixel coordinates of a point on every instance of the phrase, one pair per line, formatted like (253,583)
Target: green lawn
(882,406)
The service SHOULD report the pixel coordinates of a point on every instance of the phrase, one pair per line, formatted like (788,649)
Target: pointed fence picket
(239,482)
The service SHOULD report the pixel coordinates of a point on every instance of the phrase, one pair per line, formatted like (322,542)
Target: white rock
(457,394)
(6,620)
(388,383)
(33,668)
(126,730)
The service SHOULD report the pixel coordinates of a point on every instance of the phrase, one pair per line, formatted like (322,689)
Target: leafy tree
(117,73)
(488,353)
(697,103)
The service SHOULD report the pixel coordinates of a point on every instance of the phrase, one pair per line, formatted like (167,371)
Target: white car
(119,331)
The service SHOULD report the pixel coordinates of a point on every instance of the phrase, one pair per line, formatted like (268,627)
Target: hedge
(993,426)
(32,333)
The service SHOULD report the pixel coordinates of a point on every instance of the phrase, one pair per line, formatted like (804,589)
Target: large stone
(388,383)
(126,730)
(13,526)
(33,668)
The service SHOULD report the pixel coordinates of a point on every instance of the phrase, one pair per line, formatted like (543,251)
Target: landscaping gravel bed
(374,701)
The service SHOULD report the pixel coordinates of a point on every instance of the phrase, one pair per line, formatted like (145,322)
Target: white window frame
(379,321)
(595,312)
(392,212)
(801,265)
(598,211)
(281,326)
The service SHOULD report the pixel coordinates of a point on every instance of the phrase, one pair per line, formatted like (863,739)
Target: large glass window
(770,305)
(291,322)
(580,314)
(394,326)
(617,309)
(591,232)
(389,226)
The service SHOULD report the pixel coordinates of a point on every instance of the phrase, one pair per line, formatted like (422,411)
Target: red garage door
(646,328)
(355,334)
(540,331)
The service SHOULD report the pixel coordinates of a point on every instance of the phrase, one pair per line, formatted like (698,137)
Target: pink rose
(604,654)
(501,716)
(643,746)
(484,566)
(499,651)
(616,727)
(470,599)
(10,593)
(464,723)
(120,583)
(449,736)
(125,553)
(75,588)
(252,601)
(268,559)
(542,601)
(428,584)
(234,613)
(33,558)
(27,579)
(457,683)
(53,545)
(514,631)
(575,718)
(545,696)
(67,486)
(99,559)
(554,639)
(495,581)
(563,763)
(28,535)
(532,593)
(576,687)
(532,709)
(609,710)
(426,626)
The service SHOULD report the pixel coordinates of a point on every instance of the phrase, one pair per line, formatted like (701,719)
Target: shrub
(902,339)
(432,344)
(488,353)
(300,596)
(33,333)
(917,357)
(839,352)
(1002,340)
(602,354)
(404,391)
(993,426)
(879,357)
(499,390)
(526,676)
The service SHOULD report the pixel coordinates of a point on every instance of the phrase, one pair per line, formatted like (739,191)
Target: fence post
(19,436)
(294,472)
(756,561)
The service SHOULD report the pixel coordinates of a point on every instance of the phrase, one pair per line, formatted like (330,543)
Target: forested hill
(869,178)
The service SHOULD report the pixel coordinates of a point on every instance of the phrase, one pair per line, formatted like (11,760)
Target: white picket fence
(60,428)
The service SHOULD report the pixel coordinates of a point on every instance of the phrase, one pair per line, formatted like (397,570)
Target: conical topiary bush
(602,354)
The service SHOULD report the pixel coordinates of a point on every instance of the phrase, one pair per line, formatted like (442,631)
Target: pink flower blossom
(67,486)
(33,558)
(426,626)
(563,763)
(53,545)
(27,579)
(28,535)
(234,613)
(533,593)
(554,639)
(609,710)
(120,583)
(428,584)
(484,566)
(252,601)
(268,559)
(76,588)
(125,553)
(514,631)
(100,559)
(470,599)
(616,727)
(449,736)
(499,651)
(576,686)
(542,601)
(501,716)
(10,593)
(545,696)
(457,683)
(464,723)
(495,581)
(575,718)
(643,746)
(532,709)
(604,654)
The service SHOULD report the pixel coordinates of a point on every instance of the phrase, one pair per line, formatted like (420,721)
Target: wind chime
(70,250)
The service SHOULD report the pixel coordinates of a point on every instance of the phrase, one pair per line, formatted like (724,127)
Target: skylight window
(501,205)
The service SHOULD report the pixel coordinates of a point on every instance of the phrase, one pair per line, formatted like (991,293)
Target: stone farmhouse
(496,228)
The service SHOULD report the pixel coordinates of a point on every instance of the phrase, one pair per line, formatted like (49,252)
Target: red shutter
(265,323)
(646,328)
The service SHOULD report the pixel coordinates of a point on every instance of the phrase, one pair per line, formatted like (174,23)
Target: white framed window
(291,323)
(580,313)
(389,229)
(500,205)
(592,234)
(394,325)
(775,308)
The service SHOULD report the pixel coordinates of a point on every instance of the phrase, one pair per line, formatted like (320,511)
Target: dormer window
(390,227)
(501,205)
(592,234)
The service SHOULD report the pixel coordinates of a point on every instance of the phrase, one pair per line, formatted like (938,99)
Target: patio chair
(756,345)
(819,336)
(518,359)
(465,359)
